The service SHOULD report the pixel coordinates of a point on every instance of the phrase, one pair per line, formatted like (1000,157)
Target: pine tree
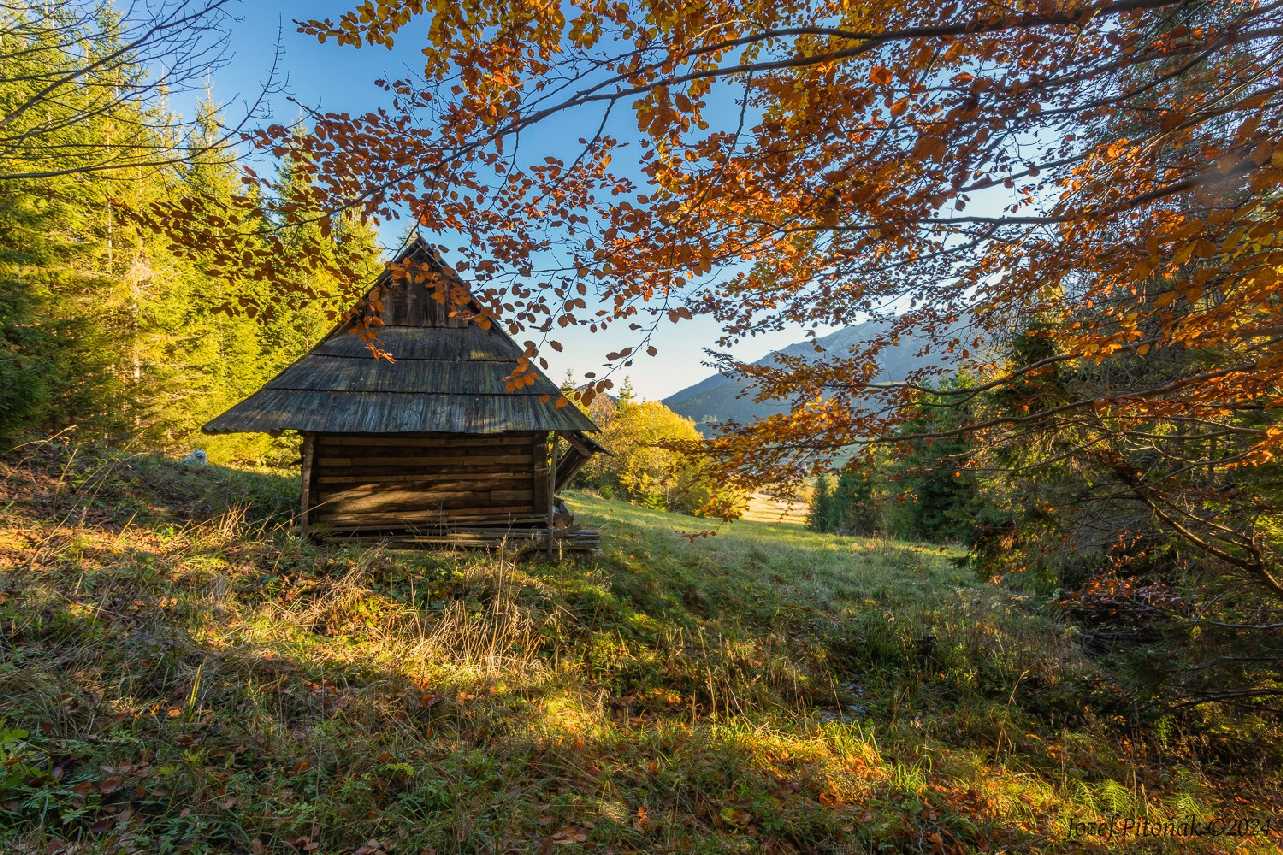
(939,496)
(223,357)
(295,315)
(357,256)
(63,334)
(821,507)
(104,327)
(854,504)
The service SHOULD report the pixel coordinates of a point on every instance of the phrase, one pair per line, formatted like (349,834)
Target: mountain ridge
(720,397)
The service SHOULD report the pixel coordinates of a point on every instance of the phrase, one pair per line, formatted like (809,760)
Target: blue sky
(333,78)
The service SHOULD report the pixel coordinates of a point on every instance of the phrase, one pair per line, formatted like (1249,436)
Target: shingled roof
(448,376)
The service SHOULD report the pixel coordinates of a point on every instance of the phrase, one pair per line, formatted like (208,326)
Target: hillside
(180,672)
(719,397)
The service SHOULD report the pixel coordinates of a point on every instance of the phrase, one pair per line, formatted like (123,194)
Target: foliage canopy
(1092,181)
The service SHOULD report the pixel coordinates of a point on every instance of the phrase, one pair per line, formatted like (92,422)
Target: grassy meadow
(180,672)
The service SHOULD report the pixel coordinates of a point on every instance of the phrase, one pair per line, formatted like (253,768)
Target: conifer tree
(820,510)
(224,359)
(60,319)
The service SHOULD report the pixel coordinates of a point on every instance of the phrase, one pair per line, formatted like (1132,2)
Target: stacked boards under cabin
(433,446)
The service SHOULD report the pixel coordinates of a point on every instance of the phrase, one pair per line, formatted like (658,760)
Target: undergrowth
(180,672)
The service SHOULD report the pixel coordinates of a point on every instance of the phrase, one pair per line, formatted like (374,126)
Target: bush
(647,466)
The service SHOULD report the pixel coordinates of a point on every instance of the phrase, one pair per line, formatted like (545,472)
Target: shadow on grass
(112,489)
(178,677)
(178,742)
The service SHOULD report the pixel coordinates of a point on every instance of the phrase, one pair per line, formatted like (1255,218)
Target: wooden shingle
(448,375)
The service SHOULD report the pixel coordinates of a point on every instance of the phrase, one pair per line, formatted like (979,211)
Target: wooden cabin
(432,448)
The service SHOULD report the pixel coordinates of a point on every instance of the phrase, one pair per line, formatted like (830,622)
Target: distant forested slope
(720,398)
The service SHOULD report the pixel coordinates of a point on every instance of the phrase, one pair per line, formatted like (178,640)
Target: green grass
(179,672)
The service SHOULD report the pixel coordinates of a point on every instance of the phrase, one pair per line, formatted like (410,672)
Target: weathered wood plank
(426,460)
(477,477)
(398,488)
(539,475)
(427,440)
(426,515)
(552,485)
(443,501)
(528,540)
(309,446)
(419,472)
(580,443)
(514,520)
(469,454)
(571,463)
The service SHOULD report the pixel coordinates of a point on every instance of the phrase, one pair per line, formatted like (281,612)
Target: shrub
(647,466)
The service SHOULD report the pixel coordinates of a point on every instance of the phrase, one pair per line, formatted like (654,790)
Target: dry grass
(764,508)
(179,672)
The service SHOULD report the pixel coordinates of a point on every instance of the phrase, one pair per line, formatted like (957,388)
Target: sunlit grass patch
(190,673)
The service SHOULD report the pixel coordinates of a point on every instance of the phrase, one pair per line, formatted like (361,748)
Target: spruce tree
(820,510)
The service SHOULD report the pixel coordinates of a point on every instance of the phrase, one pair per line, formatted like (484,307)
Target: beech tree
(1101,176)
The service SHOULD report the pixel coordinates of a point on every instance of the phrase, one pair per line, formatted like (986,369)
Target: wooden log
(384,528)
(425,477)
(428,440)
(422,471)
(338,493)
(520,539)
(531,532)
(411,502)
(425,460)
(513,496)
(465,520)
(444,502)
(466,453)
(508,460)
(422,516)
(406,477)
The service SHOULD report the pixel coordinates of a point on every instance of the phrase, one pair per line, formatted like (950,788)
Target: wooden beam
(582,447)
(526,541)
(538,474)
(424,476)
(433,515)
(570,464)
(309,452)
(429,440)
(552,486)
(429,460)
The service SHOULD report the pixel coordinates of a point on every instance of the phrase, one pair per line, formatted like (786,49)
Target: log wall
(423,482)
